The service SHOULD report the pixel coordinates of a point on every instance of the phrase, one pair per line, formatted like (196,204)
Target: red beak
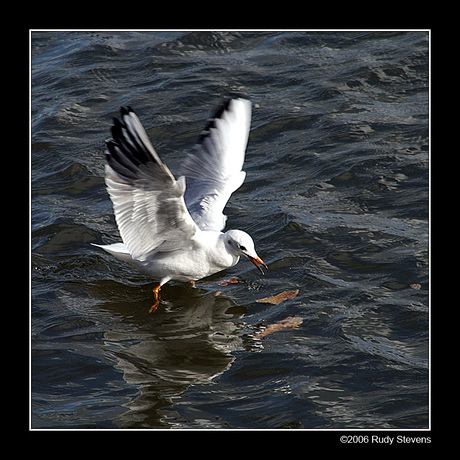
(256,262)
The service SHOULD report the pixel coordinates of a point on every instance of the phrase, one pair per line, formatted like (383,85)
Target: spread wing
(148,202)
(213,171)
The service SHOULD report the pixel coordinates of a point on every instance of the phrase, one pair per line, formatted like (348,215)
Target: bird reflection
(189,340)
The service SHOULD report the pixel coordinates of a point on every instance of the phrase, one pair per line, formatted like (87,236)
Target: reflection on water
(186,345)
(188,340)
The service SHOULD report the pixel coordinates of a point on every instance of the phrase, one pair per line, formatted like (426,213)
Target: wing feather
(148,202)
(213,171)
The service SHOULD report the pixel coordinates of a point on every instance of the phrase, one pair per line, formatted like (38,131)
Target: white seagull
(172,229)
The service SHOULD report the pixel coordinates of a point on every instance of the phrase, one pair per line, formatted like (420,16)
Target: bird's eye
(242,248)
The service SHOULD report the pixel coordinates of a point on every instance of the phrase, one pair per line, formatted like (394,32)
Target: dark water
(336,198)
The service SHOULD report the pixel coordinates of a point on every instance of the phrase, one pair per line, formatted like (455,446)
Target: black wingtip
(125,151)
(223,106)
(126,110)
(218,111)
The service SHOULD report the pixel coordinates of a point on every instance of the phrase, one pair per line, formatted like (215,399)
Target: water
(336,199)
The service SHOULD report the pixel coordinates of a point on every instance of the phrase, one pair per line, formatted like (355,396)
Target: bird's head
(240,244)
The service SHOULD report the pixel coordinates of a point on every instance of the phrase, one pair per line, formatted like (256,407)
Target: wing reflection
(187,341)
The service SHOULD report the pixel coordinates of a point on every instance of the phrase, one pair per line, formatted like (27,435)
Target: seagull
(172,229)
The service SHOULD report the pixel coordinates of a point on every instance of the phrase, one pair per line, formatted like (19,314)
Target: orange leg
(156,294)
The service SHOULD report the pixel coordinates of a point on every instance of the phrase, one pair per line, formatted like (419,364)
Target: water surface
(336,199)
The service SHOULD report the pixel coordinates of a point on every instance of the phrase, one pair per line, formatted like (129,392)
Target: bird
(172,230)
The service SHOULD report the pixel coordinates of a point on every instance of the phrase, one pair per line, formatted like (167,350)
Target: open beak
(256,261)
